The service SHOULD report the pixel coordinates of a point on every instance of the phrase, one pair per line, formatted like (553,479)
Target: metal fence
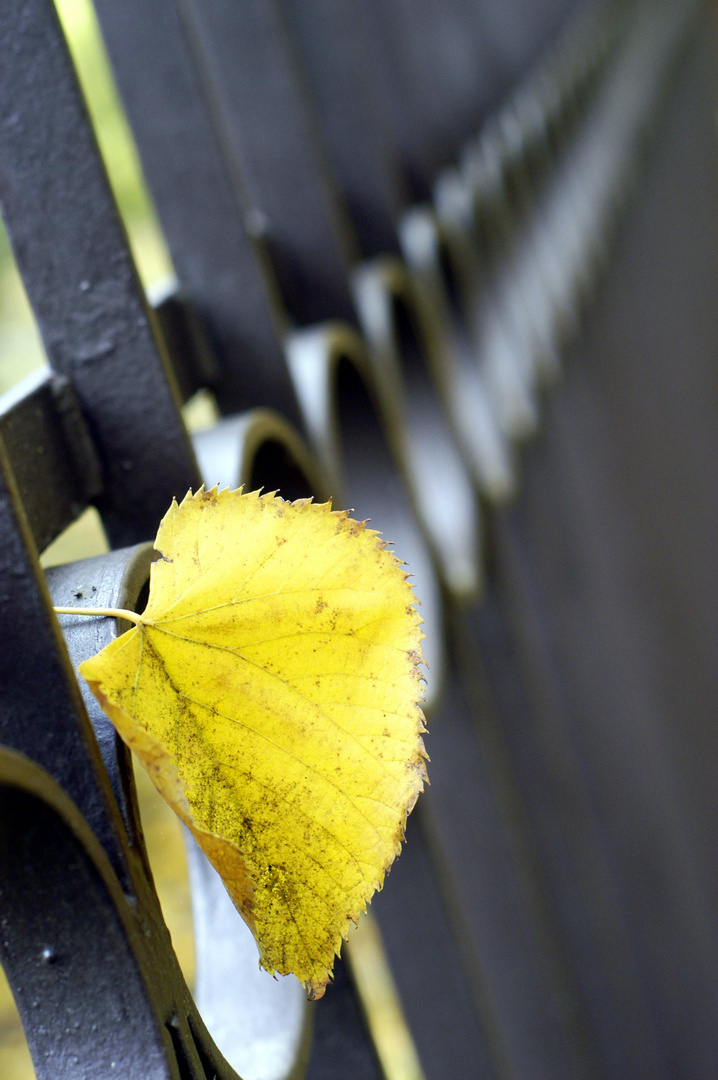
(429,262)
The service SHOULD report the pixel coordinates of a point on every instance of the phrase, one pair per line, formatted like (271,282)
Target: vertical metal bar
(445,63)
(408,132)
(475,860)
(41,710)
(199,202)
(333,47)
(73,255)
(449,1030)
(443,73)
(584,897)
(362,130)
(249,77)
(341,1043)
(269,131)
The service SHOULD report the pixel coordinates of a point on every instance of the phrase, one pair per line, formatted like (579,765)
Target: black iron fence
(436,260)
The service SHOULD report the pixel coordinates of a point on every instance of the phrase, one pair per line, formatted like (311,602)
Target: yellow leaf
(270,690)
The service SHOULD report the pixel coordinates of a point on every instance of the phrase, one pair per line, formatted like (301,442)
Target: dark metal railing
(387,222)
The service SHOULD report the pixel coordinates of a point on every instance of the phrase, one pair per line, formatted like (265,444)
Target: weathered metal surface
(36,681)
(77,269)
(333,48)
(69,953)
(489,1005)
(482,926)
(439,60)
(268,128)
(203,211)
(47,954)
(563,857)
(604,762)
(194,363)
(259,449)
(402,355)
(618,660)
(50,452)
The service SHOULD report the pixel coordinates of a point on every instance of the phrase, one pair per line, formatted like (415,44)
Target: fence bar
(200,206)
(269,131)
(333,47)
(73,255)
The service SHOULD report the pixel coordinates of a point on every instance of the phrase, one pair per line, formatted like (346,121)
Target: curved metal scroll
(71,954)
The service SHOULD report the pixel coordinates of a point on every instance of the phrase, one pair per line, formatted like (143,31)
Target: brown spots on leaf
(259,765)
(416,659)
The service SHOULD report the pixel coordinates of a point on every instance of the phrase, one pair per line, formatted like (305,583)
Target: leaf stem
(110,613)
